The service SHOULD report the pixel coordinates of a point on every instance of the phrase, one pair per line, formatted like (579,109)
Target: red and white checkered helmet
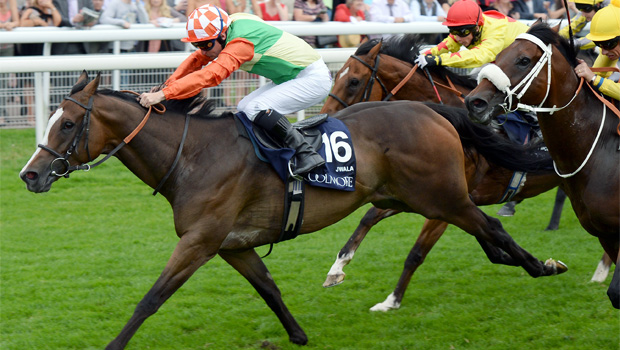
(205,23)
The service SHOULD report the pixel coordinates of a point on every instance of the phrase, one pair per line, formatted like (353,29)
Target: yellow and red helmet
(464,13)
(206,23)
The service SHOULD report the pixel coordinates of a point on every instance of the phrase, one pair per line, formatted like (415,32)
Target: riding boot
(281,129)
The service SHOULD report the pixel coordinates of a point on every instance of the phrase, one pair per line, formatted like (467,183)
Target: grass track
(75,262)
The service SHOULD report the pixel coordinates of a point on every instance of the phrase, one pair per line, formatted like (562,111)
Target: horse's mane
(547,35)
(407,48)
(197,106)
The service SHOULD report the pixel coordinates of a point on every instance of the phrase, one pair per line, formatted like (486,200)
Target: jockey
(605,33)
(587,10)
(483,34)
(299,77)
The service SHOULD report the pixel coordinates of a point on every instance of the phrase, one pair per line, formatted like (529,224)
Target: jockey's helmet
(588,5)
(606,23)
(207,22)
(464,13)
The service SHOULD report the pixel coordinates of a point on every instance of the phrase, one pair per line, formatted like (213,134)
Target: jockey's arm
(601,82)
(191,79)
(482,53)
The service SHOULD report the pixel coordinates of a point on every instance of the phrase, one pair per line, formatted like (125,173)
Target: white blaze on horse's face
(50,123)
(344,72)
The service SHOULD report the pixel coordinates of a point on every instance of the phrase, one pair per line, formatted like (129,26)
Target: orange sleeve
(189,79)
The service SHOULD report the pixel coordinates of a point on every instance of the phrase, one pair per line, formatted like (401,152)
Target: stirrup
(290,171)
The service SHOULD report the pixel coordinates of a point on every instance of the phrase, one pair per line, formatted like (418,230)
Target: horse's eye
(524,62)
(68,125)
(354,82)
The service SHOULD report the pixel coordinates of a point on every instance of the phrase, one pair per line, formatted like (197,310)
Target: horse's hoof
(558,266)
(300,338)
(389,304)
(333,280)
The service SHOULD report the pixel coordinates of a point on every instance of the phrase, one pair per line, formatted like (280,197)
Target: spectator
(161,15)
(274,10)
(531,9)
(70,11)
(310,11)
(9,19)
(351,11)
(179,5)
(247,6)
(42,13)
(505,7)
(428,11)
(124,13)
(194,4)
(389,11)
(95,47)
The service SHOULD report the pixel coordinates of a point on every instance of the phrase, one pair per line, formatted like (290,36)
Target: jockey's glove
(428,61)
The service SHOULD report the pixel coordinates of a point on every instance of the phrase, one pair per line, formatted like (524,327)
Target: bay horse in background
(227,202)
(578,127)
(371,74)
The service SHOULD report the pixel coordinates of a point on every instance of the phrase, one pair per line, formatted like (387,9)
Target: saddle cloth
(334,145)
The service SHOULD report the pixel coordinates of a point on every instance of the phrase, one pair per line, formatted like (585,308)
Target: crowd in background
(82,14)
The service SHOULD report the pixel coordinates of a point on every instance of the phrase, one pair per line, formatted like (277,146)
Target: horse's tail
(492,146)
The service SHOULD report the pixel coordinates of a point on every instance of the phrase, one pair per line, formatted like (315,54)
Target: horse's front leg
(613,292)
(556,214)
(251,266)
(190,253)
(336,274)
(431,231)
(602,269)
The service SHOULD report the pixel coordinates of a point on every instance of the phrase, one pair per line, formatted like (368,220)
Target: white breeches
(309,88)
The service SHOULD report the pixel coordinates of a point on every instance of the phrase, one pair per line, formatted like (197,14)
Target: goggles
(608,44)
(584,7)
(462,32)
(205,45)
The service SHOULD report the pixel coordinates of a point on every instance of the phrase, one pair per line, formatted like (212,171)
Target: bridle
(84,131)
(369,85)
(501,81)
(390,94)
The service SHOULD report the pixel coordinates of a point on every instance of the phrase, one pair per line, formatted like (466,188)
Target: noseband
(371,82)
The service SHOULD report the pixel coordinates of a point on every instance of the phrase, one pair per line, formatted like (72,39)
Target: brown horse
(226,201)
(536,73)
(375,69)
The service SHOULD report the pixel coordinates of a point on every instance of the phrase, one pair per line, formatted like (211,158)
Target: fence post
(41,105)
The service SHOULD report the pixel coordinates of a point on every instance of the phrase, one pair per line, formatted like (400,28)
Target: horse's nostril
(31,175)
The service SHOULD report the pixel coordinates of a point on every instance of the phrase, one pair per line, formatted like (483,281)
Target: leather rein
(390,94)
(84,132)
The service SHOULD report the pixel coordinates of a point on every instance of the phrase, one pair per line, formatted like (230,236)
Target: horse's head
(523,77)
(68,140)
(354,82)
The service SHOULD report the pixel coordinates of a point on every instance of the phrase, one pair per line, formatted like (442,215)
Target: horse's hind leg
(190,253)
(613,292)
(250,265)
(431,231)
(476,222)
(336,274)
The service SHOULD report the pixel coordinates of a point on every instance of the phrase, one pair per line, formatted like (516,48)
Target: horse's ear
(91,88)
(83,77)
(557,27)
(537,22)
(376,49)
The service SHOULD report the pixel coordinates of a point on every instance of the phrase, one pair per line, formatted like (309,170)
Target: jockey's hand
(424,61)
(148,99)
(157,88)
(583,71)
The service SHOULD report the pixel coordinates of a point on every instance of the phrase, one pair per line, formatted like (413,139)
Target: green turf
(75,262)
